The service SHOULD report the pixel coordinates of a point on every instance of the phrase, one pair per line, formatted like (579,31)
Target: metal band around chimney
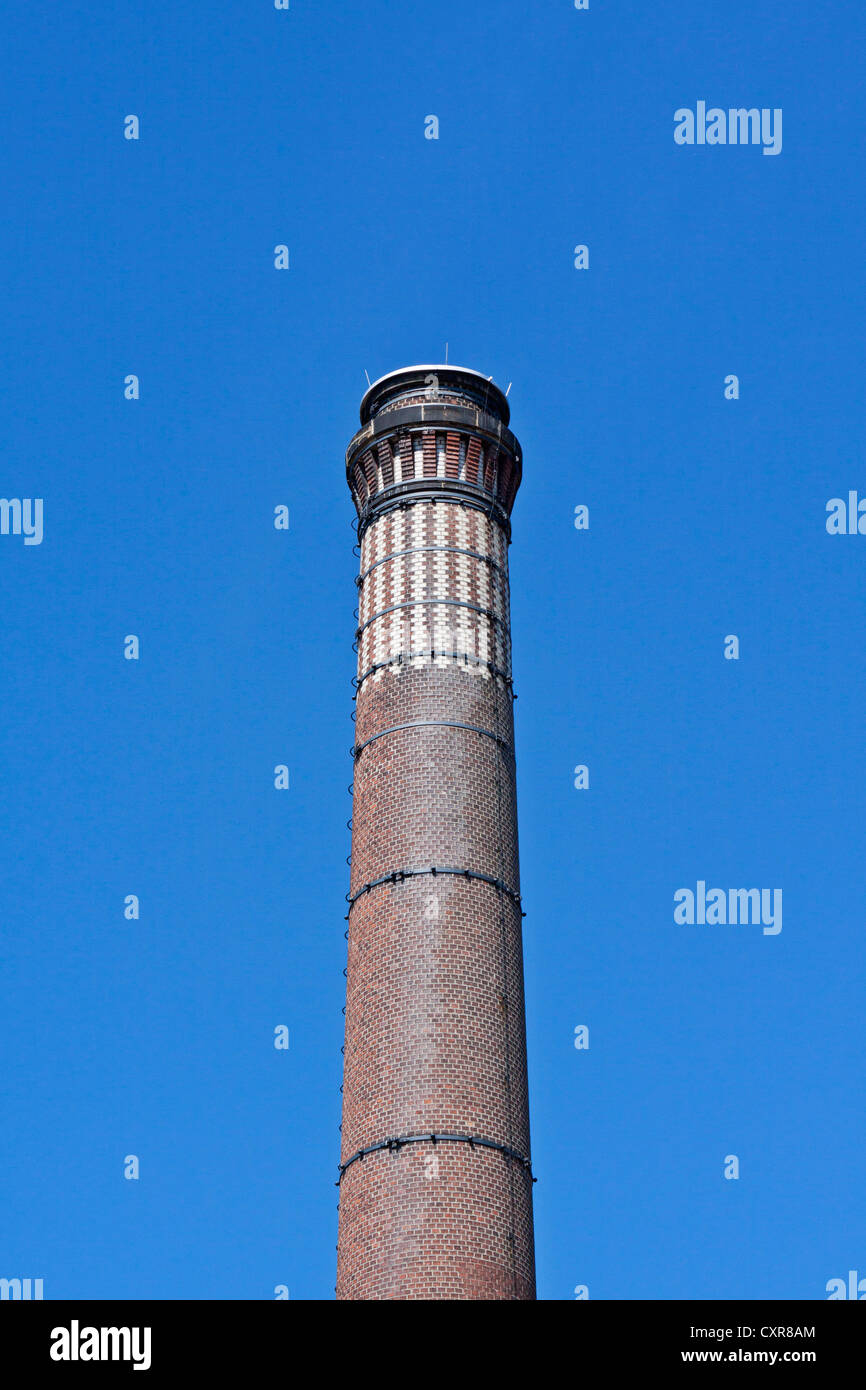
(398,875)
(465,658)
(432,603)
(475,1141)
(433,724)
(425,550)
(451,491)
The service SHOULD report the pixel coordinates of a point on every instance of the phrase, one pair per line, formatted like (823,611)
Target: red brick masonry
(435,1034)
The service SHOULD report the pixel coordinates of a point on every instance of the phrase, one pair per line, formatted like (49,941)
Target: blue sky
(155,777)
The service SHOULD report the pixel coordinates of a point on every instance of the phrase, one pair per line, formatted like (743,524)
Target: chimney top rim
(498,401)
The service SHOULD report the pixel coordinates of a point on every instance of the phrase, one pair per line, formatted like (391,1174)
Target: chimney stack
(435,1175)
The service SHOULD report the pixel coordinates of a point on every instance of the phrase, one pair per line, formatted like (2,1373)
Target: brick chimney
(435,1177)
